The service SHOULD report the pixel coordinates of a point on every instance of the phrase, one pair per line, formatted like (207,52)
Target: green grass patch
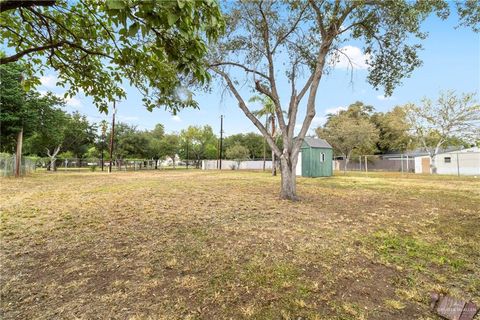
(413,253)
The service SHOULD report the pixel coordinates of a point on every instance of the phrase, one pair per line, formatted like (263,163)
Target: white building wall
(298,169)
(462,162)
(230,164)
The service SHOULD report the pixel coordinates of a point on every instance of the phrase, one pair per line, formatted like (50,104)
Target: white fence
(233,165)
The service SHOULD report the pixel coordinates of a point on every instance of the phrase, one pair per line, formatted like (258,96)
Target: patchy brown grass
(211,245)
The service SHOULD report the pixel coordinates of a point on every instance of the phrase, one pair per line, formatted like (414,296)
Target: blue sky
(451,60)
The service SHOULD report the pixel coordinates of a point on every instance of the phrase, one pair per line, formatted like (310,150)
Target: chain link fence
(7,165)
(450,163)
(94,164)
(398,163)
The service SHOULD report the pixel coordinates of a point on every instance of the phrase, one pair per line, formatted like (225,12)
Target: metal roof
(317,143)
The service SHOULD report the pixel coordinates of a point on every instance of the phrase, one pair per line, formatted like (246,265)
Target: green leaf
(172,18)
(132,31)
(116,4)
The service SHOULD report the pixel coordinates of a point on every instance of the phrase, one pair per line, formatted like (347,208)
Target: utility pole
(112,134)
(221,141)
(102,143)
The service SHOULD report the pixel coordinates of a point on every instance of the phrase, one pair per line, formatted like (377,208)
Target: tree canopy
(157,46)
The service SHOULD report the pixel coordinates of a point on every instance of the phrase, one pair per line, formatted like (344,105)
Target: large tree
(201,143)
(269,42)
(52,125)
(450,117)
(254,143)
(80,135)
(394,130)
(93,45)
(23,114)
(129,142)
(16,116)
(350,131)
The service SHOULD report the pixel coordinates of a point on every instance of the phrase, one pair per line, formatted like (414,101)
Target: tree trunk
(265,145)
(433,165)
(345,165)
(264,154)
(274,167)
(53,157)
(53,165)
(18,154)
(288,190)
(173,161)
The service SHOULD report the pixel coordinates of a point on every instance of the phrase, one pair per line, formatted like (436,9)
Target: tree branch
(248,113)
(319,13)
(294,26)
(216,64)
(20,54)
(271,72)
(7,5)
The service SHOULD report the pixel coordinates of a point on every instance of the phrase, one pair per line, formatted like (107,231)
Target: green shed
(315,158)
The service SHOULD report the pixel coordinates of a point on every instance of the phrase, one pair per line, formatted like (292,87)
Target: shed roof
(317,143)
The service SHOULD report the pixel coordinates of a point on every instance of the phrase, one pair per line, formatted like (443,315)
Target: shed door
(425,165)
(298,169)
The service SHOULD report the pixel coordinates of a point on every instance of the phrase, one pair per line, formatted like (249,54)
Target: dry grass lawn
(211,245)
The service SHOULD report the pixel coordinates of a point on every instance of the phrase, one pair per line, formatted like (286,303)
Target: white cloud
(317,121)
(350,56)
(176,118)
(48,81)
(73,102)
(69,101)
(383,98)
(335,110)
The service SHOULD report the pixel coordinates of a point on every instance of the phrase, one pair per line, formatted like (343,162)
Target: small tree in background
(238,153)
(169,146)
(202,143)
(451,116)
(267,111)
